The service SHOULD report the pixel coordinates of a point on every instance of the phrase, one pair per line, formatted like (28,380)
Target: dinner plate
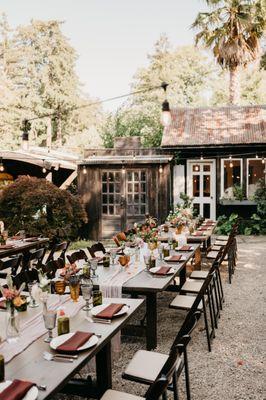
(31,395)
(96,310)
(155,269)
(57,341)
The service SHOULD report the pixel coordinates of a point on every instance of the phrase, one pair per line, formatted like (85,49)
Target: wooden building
(220,149)
(119,186)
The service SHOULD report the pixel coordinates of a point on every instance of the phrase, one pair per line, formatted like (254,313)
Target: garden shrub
(39,207)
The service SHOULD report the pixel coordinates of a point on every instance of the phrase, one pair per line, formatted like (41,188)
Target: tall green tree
(232,29)
(39,63)
(187,71)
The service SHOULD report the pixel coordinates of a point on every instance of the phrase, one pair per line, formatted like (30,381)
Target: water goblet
(160,251)
(94,265)
(60,288)
(113,256)
(49,322)
(147,261)
(86,290)
(32,292)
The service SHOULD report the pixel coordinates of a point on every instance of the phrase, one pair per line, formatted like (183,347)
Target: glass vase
(12,327)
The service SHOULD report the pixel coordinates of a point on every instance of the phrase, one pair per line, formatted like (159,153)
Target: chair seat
(199,274)
(222,237)
(192,286)
(115,395)
(212,254)
(217,247)
(145,365)
(184,302)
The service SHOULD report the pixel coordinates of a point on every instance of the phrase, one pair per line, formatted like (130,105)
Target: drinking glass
(74,288)
(124,260)
(49,323)
(160,251)
(113,256)
(170,241)
(86,290)
(94,265)
(147,261)
(31,287)
(5,235)
(60,288)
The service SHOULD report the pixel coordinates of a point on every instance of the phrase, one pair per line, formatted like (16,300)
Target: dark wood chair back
(11,263)
(60,248)
(96,247)
(25,276)
(158,388)
(36,257)
(52,266)
(76,256)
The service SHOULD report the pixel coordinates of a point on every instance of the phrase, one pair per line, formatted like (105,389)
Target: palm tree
(232,30)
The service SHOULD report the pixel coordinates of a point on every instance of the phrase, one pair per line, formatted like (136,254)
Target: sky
(112,37)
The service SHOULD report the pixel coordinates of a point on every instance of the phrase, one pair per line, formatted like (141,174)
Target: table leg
(151,328)
(104,369)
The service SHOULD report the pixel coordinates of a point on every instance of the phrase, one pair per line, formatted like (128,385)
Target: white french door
(201,185)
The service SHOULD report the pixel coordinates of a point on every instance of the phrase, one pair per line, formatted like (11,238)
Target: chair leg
(206,325)
(220,286)
(217,302)
(165,395)
(187,375)
(212,316)
(175,387)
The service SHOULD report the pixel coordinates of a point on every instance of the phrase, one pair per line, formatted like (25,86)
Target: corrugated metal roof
(219,125)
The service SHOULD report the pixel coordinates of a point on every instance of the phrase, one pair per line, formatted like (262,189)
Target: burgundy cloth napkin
(185,248)
(77,340)
(198,233)
(162,271)
(173,259)
(16,391)
(110,311)
(3,304)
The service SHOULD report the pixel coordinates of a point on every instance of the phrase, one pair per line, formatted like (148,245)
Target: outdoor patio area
(235,369)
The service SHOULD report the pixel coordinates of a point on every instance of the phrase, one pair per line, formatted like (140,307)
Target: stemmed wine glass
(49,323)
(60,288)
(94,265)
(86,290)
(31,286)
(160,251)
(147,261)
(113,255)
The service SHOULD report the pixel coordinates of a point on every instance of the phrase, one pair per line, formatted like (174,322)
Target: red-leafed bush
(39,207)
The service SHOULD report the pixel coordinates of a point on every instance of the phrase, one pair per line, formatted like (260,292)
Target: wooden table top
(30,364)
(20,246)
(145,281)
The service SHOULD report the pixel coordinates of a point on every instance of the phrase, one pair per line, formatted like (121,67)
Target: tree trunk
(234,87)
(49,134)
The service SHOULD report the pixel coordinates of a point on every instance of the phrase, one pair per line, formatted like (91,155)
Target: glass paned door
(123,199)
(201,185)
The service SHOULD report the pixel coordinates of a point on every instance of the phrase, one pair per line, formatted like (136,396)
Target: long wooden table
(23,247)
(30,364)
(148,285)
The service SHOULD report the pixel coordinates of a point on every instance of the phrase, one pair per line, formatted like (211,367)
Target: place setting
(106,313)
(20,390)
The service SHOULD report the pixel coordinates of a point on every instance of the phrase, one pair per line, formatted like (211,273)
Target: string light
(257,156)
(201,157)
(2,167)
(123,169)
(166,114)
(263,160)
(160,169)
(44,170)
(134,156)
(84,170)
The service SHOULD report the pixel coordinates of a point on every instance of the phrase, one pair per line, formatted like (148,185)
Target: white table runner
(32,324)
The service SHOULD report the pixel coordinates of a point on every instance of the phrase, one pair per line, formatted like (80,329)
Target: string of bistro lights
(165,120)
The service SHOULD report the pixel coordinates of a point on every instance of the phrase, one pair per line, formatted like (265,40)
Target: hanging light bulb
(201,157)
(231,164)
(263,160)
(123,169)
(230,157)
(196,168)
(257,156)
(2,167)
(84,170)
(166,114)
(160,169)
(134,156)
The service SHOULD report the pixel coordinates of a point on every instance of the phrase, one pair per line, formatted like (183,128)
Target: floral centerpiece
(14,302)
(182,214)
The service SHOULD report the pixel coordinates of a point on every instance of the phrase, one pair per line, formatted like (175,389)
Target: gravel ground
(234,369)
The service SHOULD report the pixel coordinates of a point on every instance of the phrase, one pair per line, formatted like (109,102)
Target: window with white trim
(255,172)
(231,175)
